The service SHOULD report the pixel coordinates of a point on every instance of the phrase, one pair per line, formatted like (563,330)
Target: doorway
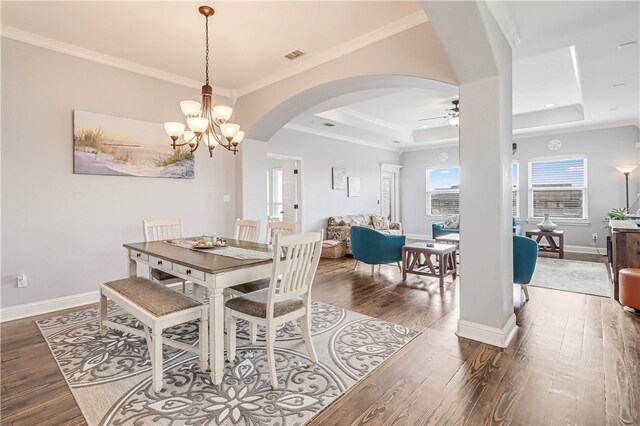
(284,188)
(389,191)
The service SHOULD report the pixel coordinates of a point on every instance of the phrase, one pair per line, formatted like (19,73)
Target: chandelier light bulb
(197,124)
(222,112)
(229,130)
(189,136)
(174,129)
(238,138)
(210,141)
(190,108)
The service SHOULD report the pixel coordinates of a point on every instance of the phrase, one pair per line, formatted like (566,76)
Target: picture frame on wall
(339,178)
(117,146)
(353,186)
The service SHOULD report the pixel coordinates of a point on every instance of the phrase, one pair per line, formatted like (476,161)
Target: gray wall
(66,231)
(414,186)
(320,154)
(604,148)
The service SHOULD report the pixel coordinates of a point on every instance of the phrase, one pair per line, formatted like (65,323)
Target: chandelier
(207,123)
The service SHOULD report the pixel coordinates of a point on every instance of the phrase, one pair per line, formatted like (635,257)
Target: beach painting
(114,146)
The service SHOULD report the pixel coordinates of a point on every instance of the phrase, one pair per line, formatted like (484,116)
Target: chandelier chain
(206,25)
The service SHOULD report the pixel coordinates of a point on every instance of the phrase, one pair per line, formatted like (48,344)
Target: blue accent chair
(375,248)
(438,229)
(525,256)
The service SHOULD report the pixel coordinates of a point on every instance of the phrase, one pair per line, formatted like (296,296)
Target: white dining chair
(163,229)
(287,298)
(275,227)
(248,230)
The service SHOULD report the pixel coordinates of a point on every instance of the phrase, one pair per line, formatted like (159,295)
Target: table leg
(561,241)
(442,268)
(133,266)
(216,333)
(405,264)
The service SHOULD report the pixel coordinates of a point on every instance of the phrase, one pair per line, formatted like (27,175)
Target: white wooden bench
(157,308)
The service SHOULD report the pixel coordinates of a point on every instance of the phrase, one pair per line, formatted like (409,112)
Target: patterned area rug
(110,376)
(572,275)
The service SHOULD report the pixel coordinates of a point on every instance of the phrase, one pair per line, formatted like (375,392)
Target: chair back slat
(294,267)
(162,229)
(279,228)
(247,230)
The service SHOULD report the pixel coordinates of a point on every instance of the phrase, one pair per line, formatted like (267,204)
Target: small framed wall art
(353,186)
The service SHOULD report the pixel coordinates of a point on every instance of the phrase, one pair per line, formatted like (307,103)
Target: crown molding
(342,138)
(307,63)
(101,58)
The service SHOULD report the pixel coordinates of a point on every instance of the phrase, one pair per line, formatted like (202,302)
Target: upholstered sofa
(338,226)
(438,229)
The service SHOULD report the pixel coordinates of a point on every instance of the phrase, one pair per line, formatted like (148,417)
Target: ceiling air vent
(294,55)
(329,124)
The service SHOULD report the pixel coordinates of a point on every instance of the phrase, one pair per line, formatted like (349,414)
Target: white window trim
(585,190)
(428,193)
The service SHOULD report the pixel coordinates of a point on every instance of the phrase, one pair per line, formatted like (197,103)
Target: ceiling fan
(452,116)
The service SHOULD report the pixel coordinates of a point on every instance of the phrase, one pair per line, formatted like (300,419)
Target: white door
(290,174)
(388,204)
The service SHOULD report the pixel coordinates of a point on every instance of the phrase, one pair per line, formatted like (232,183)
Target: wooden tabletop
(624,226)
(436,248)
(539,232)
(203,261)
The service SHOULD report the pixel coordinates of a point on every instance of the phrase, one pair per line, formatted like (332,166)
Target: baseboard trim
(11,313)
(489,335)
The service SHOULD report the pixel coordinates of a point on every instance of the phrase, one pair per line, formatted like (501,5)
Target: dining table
(206,270)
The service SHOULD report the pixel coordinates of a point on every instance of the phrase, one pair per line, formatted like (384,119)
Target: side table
(550,236)
(416,259)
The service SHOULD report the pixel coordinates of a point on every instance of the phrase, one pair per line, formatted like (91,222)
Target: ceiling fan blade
(432,118)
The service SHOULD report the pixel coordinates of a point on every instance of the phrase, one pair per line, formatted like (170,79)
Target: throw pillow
(451,221)
(380,222)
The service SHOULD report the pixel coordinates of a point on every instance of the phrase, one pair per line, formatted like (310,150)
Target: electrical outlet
(21,280)
(226,198)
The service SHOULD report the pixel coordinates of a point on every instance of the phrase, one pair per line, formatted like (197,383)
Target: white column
(486,282)
(253,183)
(481,57)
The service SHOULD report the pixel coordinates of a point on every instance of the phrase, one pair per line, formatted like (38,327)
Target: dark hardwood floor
(574,360)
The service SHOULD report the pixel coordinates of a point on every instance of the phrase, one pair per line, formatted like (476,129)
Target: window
(275,204)
(558,187)
(443,191)
(515,184)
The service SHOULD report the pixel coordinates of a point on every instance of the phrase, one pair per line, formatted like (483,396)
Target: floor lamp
(626,170)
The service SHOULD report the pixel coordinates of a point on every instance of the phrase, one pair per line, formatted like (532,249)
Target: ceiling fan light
(222,112)
(190,108)
(454,121)
(197,124)
(229,130)
(174,129)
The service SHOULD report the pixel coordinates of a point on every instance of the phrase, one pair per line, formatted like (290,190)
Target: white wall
(66,231)
(605,149)
(319,155)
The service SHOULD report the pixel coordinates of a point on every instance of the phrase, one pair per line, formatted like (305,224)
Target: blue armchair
(438,229)
(525,256)
(375,248)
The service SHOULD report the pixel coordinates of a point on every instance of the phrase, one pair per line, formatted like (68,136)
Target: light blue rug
(572,275)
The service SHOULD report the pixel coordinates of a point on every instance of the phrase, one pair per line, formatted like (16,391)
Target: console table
(625,247)
(552,246)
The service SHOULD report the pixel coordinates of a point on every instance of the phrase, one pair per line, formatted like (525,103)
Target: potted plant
(617,214)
